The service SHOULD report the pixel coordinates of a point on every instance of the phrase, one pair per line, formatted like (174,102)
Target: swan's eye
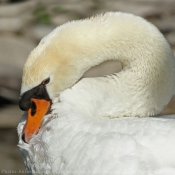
(46,81)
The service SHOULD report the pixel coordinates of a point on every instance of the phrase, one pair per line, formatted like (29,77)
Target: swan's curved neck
(147,80)
(146,83)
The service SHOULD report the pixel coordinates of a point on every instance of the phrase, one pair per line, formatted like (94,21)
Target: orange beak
(35,115)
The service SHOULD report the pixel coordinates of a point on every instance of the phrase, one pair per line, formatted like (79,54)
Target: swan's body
(79,135)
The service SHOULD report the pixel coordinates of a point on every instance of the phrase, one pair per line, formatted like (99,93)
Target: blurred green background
(24,23)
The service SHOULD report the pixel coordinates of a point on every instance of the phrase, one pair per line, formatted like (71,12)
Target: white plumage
(73,143)
(82,134)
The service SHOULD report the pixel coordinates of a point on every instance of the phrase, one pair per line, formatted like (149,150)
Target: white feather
(83,135)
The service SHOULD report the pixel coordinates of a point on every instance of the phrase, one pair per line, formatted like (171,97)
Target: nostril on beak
(23,138)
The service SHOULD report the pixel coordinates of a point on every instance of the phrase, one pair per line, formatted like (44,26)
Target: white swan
(81,133)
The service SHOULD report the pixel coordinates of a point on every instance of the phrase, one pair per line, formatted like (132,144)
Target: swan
(101,125)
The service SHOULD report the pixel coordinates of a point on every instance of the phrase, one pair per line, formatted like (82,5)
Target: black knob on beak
(38,92)
(25,101)
(24,105)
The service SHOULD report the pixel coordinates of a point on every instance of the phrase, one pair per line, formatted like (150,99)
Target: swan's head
(49,68)
(47,71)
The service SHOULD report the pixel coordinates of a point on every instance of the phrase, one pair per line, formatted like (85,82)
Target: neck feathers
(147,80)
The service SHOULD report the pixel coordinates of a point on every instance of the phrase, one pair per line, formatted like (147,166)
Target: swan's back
(70,143)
